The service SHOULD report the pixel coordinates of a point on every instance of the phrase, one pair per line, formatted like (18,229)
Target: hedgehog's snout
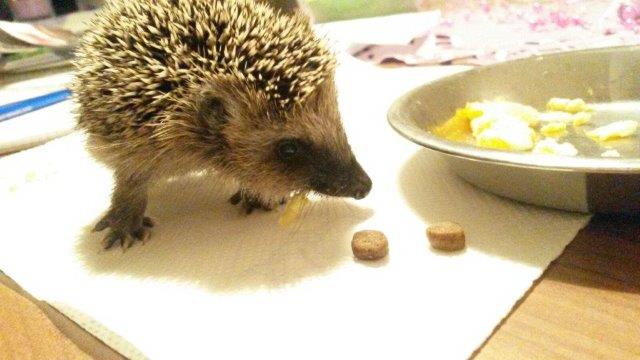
(360,184)
(349,181)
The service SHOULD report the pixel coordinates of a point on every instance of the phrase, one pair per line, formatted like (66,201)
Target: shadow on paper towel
(200,238)
(494,225)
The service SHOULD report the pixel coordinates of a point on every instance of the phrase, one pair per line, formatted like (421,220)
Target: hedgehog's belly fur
(142,158)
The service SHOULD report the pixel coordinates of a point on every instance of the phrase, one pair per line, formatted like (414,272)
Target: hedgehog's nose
(361,183)
(347,181)
(362,188)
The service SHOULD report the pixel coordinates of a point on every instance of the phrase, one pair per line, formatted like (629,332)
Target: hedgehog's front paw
(123,230)
(250,202)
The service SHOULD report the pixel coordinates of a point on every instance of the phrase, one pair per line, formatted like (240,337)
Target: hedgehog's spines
(139,56)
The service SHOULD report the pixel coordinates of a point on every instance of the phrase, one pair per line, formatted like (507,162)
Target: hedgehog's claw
(143,234)
(101,225)
(147,221)
(121,232)
(111,238)
(249,203)
(236,198)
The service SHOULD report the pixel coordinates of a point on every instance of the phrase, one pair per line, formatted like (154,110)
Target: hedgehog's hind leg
(125,218)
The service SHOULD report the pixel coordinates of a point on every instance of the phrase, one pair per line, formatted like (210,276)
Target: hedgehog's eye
(288,150)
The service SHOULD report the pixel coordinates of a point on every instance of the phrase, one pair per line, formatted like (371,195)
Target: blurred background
(43,44)
(322,10)
(38,39)
(28,48)
(38,34)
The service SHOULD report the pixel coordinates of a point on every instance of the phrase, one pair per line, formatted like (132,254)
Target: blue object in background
(12,110)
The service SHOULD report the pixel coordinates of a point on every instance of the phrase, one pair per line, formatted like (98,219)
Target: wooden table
(32,329)
(586,305)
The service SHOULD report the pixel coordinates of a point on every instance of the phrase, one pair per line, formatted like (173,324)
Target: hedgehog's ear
(229,99)
(211,109)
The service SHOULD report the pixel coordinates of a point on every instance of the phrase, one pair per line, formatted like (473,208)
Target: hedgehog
(166,88)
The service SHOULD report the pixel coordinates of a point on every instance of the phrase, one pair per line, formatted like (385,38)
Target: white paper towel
(212,283)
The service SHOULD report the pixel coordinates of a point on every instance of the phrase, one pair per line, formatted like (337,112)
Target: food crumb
(446,236)
(294,207)
(30,176)
(369,245)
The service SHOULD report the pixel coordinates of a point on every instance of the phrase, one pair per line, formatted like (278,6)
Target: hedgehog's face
(315,165)
(274,152)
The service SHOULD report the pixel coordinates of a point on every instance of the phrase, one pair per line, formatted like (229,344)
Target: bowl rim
(498,157)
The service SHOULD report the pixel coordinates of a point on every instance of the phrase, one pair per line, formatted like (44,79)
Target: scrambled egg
(525,113)
(293,209)
(554,129)
(567,105)
(504,125)
(507,133)
(559,116)
(615,130)
(498,125)
(552,147)
(578,119)
(581,118)
(457,128)
(611,153)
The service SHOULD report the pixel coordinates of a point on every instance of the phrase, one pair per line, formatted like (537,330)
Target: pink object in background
(485,34)
(629,15)
(31,9)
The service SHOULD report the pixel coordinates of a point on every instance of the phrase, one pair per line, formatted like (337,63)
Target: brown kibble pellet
(446,236)
(369,245)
